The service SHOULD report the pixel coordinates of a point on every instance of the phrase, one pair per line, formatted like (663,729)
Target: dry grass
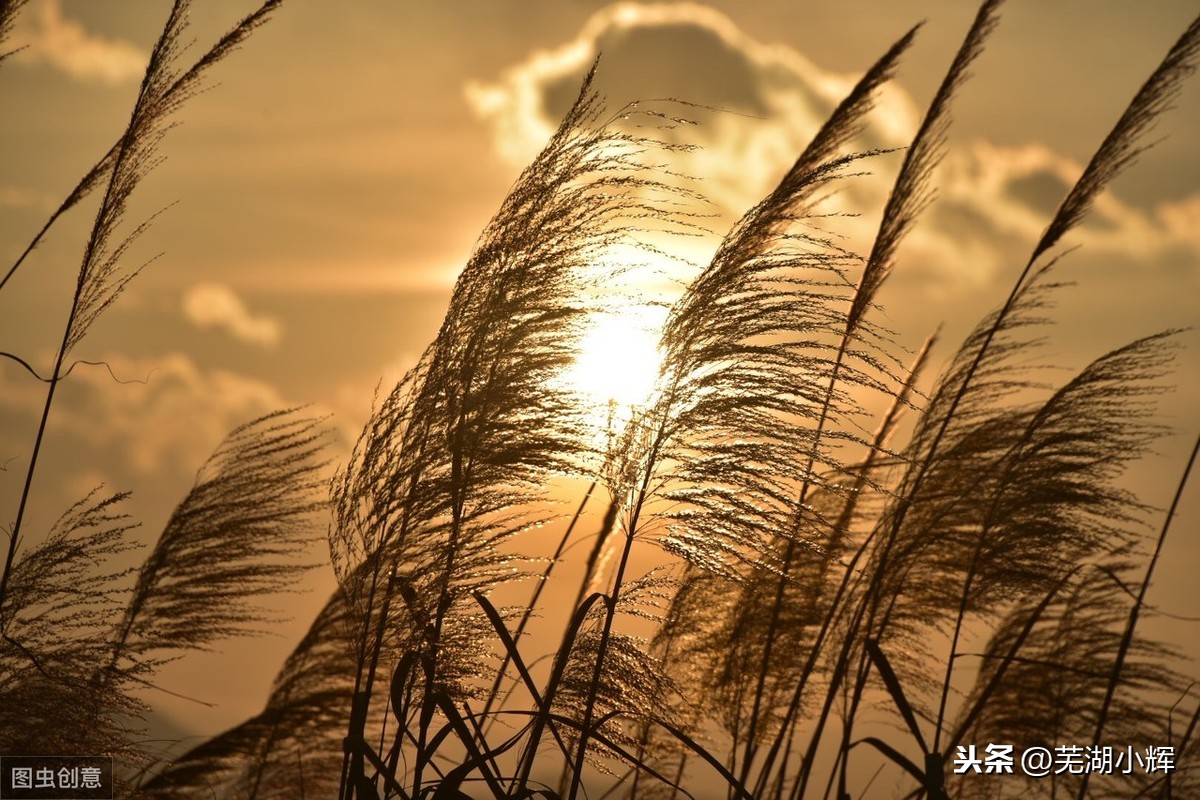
(818,574)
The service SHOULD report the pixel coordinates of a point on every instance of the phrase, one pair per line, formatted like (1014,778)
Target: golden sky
(326,189)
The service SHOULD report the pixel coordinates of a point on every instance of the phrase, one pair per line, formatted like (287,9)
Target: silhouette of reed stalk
(82,638)
(814,564)
(797,566)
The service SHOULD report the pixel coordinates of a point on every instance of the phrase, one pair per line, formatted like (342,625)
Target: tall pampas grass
(82,632)
(821,570)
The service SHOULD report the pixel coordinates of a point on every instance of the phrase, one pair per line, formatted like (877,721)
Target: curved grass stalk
(1050,448)
(446,469)
(1114,679)
(610,602)
(703,337)
(909,197)
(181,88)
(850,572)
(527,614)
(1115,153)
(99,279)
(840,124)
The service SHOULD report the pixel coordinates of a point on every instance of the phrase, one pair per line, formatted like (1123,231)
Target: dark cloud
(337,178)
(1041,191)
(756,105)
(687,60)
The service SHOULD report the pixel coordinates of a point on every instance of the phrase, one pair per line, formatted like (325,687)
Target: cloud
(771,98)
(992,202)
(172,421)
(12,197)
(48,37)
(1181,220)
(214,305)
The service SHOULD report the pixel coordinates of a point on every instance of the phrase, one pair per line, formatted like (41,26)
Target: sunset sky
(328,187)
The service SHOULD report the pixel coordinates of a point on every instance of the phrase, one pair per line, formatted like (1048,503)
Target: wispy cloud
(214,305)
(167,414)
(771,98)
(46,36)
(992,202)
(12,197)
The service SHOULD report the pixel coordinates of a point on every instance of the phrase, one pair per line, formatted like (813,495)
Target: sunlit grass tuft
(816,573)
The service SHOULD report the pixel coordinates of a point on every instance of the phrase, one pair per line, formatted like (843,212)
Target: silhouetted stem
(91,249)
(532,604)
(1127,637)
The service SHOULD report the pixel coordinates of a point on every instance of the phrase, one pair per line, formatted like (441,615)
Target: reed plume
(453,464)
(816,564)
(8,17)
(104,271)
(1053,690)
(81,642)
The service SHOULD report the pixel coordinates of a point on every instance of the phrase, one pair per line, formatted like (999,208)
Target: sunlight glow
(618,360)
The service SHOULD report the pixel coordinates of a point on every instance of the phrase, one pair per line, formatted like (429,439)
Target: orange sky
(333,180)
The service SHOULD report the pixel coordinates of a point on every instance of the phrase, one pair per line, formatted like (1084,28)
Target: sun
(618,360)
